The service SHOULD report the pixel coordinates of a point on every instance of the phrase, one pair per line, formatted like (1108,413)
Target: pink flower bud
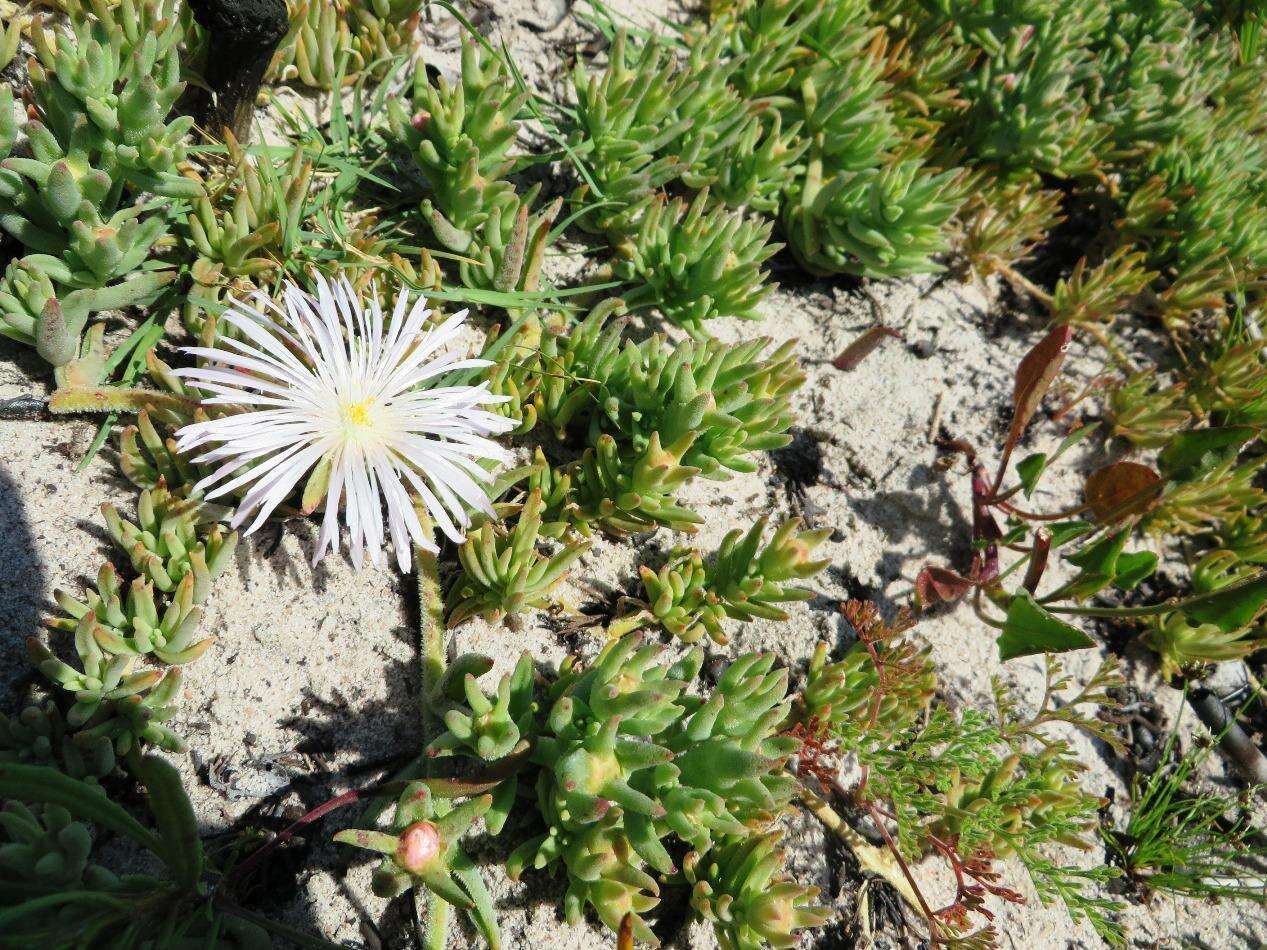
(420,119)
(419,845)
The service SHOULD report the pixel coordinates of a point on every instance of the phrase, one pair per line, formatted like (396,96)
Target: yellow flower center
(358,414)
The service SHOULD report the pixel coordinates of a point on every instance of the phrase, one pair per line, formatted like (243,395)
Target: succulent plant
(1004,220)
(243,237)
(176,556)
(48,848)
(1183,646)
(460,134)
(628,132)
(425,849)
(488,727)
(721,402)
(842,100)
(128,623)
(112,701)
(883,222)
(1231,385)
(626,493)
(502,571)
(171,540)
(695,262)
(1025,792)
(849,696)
(1212,217)
(691,599)
(1145,412)
(1026,115)
(57,893)
(567,364)
(768,42)
(1183,643)
(341,39)
(1220,494)
(36,311)
(98,137)
(1149,63)
(40,735)
(147,451)
(738,886)
(625,759)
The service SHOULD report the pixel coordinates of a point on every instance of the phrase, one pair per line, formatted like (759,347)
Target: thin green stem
(430,635)
(431,656)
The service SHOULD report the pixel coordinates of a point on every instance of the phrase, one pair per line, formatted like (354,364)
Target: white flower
(331,379)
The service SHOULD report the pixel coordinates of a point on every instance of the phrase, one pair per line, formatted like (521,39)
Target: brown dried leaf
(1034,377)
(936,584)
(1122,489)
(861,348)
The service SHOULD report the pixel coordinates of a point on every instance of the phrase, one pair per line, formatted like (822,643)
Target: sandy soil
(311,688)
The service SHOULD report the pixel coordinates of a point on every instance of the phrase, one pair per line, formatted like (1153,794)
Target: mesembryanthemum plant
(97,138)
(692,598)
(625,764)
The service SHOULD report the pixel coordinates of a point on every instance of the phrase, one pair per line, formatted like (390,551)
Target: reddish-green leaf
(1122,489)
(935,584)
(1034,378)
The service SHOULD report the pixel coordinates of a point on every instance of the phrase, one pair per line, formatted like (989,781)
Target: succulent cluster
(176,554)
(692,599)
(338,41)
(798,85)
(97,141)
(56,894)
(739,887)
(695,261)
(502,570)
(623,765)
(460,134)
(652,415)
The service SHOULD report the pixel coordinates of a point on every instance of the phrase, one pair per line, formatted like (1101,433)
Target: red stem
(264,850)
